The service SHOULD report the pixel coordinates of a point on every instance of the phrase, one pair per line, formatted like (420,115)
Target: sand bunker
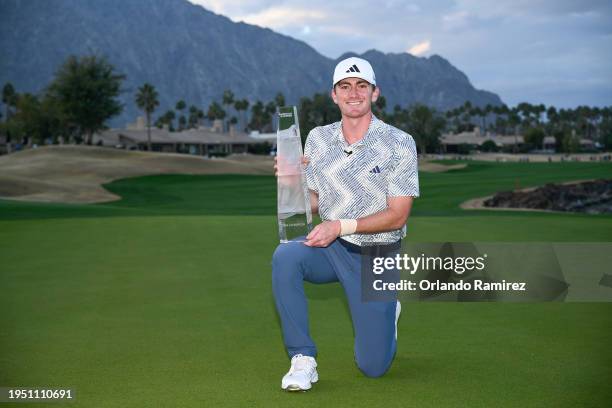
(430,167)
(75,174)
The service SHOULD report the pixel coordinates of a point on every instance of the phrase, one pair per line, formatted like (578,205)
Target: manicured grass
(165,195)
(441,193)
(164,299)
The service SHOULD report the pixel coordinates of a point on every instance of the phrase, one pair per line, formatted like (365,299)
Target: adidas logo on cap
(354,68)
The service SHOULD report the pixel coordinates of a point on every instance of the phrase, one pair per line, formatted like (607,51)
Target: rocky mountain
(190,53)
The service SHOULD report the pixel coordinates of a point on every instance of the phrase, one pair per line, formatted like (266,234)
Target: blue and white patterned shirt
(382,164)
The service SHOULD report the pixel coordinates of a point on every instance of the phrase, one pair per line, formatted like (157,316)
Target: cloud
(283,16)
(456,20)
(232,8)
(456,16)
(420,48)
(533,8)
(496,44)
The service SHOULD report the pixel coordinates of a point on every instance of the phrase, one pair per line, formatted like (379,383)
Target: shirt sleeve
(404,179)
(311,179)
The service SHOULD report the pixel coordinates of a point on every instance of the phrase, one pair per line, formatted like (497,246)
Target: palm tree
(279,99)
(525,109)
(478,111)
(180,105)
(552,119)
(9,98)
(452,119)
(242,105)
(228,100)
(168,118)
(182,122)
(380,105)
(257,114)
(270,114)
(539,110)
(146,99)
(488,109)
(466,116)
(193,117)
(426,125)
(505,110)
(215,112)
(514,120)
(200,116)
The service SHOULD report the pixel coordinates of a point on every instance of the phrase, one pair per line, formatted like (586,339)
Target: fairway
(164,299)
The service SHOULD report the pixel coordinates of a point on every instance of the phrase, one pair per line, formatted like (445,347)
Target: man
(362,176)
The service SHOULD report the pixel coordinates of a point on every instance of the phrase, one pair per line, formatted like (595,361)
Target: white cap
(354,67)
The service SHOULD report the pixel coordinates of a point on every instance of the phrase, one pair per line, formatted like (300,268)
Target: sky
(555,52)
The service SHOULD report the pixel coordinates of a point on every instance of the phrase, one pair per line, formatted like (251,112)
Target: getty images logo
(353,69)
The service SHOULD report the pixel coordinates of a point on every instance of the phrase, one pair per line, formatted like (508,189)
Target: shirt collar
(368,139)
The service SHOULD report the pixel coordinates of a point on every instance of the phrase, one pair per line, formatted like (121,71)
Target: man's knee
(285,261)
(373,367)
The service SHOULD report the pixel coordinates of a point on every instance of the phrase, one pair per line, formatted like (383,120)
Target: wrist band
(347,227)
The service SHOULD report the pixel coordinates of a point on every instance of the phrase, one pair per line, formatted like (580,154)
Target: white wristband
(347,227)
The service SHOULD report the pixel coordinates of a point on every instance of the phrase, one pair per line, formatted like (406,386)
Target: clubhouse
(451,142)
(203,141)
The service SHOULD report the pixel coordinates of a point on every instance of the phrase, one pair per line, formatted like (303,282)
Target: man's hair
(336,84)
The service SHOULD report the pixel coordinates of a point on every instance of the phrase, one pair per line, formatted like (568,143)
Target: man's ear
(375,94)
(332,93)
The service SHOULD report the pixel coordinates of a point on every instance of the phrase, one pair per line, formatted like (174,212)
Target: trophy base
(292,226)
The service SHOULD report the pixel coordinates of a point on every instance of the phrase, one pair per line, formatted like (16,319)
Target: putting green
(164,299)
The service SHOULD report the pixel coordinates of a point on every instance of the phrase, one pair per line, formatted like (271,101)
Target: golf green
(164,299)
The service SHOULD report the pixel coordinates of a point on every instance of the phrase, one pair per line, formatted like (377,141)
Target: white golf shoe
(301,375)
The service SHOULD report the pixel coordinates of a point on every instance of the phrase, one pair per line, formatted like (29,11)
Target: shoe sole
(295,387)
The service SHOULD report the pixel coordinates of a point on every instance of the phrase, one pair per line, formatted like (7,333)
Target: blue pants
(374,323)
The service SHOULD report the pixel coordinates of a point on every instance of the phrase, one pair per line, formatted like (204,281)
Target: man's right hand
(323,234)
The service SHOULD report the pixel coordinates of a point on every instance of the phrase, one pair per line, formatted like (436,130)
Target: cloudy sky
(556,52)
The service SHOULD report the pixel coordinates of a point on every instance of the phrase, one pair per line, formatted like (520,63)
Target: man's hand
(323,234)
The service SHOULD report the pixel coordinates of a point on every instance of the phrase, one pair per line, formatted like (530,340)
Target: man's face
(354,97)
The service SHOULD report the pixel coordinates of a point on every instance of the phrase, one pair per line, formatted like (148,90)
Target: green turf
(164,299)
(256,195)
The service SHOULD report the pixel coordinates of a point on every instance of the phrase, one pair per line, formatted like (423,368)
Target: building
(451,142)
(202,141)
(264,137)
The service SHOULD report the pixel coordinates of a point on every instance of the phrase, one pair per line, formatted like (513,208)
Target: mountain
(190,53)
(405,79)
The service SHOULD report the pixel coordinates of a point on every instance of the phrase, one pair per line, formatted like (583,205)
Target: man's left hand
(323,234)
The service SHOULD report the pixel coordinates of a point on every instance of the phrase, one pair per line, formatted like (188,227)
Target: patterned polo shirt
(353,185)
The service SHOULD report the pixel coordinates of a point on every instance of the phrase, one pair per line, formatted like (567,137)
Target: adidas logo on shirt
(353,69)
(375,170)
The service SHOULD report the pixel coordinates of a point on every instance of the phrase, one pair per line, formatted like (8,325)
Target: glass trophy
(294,214)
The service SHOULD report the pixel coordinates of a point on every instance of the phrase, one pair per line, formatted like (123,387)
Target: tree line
(83,96)
(535,122)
